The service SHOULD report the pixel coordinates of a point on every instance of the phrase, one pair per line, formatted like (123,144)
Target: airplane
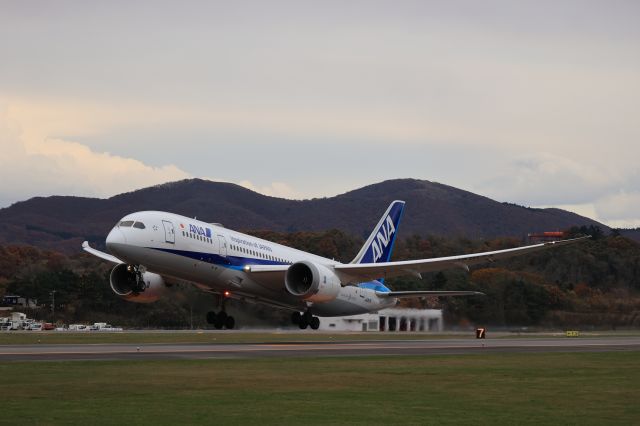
(153,250)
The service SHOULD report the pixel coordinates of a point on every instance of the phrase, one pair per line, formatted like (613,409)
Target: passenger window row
(258,254)
(197,237)
(235,247)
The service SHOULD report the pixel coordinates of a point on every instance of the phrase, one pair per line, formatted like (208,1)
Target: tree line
(593,284)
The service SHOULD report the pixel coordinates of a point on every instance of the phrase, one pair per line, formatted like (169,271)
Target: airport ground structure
(388,320)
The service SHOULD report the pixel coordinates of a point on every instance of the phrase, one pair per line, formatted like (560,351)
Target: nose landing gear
(136,281)
(304,320)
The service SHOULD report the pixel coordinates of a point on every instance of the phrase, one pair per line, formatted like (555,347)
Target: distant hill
(633,234)
(62,223)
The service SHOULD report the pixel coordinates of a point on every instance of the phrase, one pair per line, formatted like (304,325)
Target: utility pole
(53,304)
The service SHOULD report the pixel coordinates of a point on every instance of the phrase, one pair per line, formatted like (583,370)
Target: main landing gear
(221,319)
(304,320)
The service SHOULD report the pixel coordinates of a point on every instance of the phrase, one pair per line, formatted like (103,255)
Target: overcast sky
(535,103)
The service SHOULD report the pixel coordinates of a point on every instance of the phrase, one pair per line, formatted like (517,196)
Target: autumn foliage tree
(596,283)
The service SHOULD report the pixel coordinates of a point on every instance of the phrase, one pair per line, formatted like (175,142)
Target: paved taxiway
(299,349)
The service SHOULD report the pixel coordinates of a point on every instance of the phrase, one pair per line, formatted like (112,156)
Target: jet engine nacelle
(312,282)
(135,286)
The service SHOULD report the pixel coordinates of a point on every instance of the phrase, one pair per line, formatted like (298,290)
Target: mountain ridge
(63,222)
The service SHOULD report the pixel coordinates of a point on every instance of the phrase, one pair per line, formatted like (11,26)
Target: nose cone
(115,239)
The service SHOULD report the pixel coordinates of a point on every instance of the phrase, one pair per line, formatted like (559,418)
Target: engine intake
(135,286)
(312,282)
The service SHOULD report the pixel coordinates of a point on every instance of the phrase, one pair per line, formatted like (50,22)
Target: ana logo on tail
(380,243)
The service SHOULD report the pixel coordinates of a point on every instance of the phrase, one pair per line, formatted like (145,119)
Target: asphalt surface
(314,349)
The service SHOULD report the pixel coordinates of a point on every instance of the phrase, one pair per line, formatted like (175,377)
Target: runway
(427,347)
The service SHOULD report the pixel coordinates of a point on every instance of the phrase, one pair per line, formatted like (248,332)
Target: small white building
(19,301)
(18,316)
(390,320)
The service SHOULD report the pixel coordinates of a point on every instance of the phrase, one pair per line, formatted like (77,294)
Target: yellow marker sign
(573,333)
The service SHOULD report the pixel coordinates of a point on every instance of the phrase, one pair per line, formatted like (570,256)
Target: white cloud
(548,179)
(36,164)
(596,187)
(274,189)
(529,107)
(620,210)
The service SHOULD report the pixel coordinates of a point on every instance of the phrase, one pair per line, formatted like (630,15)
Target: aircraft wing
(412,294)
(102,255)
(355,273)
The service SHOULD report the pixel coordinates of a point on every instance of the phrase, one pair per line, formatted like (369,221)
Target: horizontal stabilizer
(407,294)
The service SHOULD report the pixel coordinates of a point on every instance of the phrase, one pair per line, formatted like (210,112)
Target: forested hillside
(593,284)
(63,223)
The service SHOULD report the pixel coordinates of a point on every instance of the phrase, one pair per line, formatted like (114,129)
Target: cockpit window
(126,223)
(139,225)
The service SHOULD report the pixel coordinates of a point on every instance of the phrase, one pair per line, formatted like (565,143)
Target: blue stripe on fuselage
(237,263)
(233,262)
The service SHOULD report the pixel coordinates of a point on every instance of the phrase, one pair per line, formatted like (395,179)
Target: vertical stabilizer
(379,245)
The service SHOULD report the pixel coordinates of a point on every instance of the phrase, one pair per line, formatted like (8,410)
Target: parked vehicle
(35,326)
(78,327)
(103,326)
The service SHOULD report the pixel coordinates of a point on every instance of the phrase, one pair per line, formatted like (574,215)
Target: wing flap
(411,294)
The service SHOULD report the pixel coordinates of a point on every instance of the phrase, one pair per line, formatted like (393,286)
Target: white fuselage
(214,258)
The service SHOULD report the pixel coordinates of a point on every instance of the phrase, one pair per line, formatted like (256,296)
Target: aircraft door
(223,245)
(169,232)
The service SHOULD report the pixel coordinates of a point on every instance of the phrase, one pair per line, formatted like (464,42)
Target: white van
(35,326)
(78,327)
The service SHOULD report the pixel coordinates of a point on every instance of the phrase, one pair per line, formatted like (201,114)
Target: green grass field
(576,388)
(21,338)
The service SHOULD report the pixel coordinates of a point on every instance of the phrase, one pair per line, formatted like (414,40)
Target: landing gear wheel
(221,319)
(211,317)
(315,323)
(295,318)
(303,324)
(229,323)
